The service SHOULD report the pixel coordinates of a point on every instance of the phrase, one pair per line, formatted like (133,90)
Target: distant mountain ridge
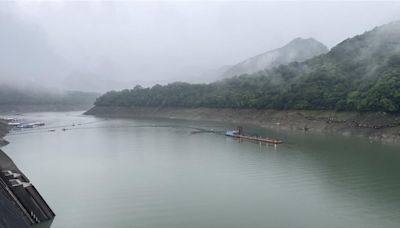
(26,99)
(361,73)
(297,50)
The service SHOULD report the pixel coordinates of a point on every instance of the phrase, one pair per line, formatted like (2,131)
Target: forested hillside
(359,74)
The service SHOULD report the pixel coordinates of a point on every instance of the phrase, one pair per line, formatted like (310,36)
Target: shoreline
(378,126)
(21,205)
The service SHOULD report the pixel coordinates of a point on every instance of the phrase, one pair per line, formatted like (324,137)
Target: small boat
(232,133)
(25,126)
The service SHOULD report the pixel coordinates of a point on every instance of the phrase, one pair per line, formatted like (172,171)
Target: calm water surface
(118,173)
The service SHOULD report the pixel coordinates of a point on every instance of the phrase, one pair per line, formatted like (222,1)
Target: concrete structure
(21,205)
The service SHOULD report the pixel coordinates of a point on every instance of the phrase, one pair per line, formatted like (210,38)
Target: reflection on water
(98,172)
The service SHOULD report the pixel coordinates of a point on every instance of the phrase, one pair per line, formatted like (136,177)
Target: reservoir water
(101,173)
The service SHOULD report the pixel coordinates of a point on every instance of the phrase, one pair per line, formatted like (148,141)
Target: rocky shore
(3,131)
(378,126)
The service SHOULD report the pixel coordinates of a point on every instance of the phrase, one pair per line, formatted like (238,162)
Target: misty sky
(101,45)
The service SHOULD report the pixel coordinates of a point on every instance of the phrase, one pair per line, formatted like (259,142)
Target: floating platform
(31,125)
(238,134)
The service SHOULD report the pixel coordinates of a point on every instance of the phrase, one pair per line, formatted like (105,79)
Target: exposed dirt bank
(376,126)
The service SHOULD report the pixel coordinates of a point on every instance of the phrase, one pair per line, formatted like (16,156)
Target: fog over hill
(103,45)
(298,50)
(24,98)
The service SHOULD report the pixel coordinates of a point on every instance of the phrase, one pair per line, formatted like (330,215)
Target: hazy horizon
(104,45)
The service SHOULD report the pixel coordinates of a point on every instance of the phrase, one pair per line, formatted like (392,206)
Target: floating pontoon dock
(238,134)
